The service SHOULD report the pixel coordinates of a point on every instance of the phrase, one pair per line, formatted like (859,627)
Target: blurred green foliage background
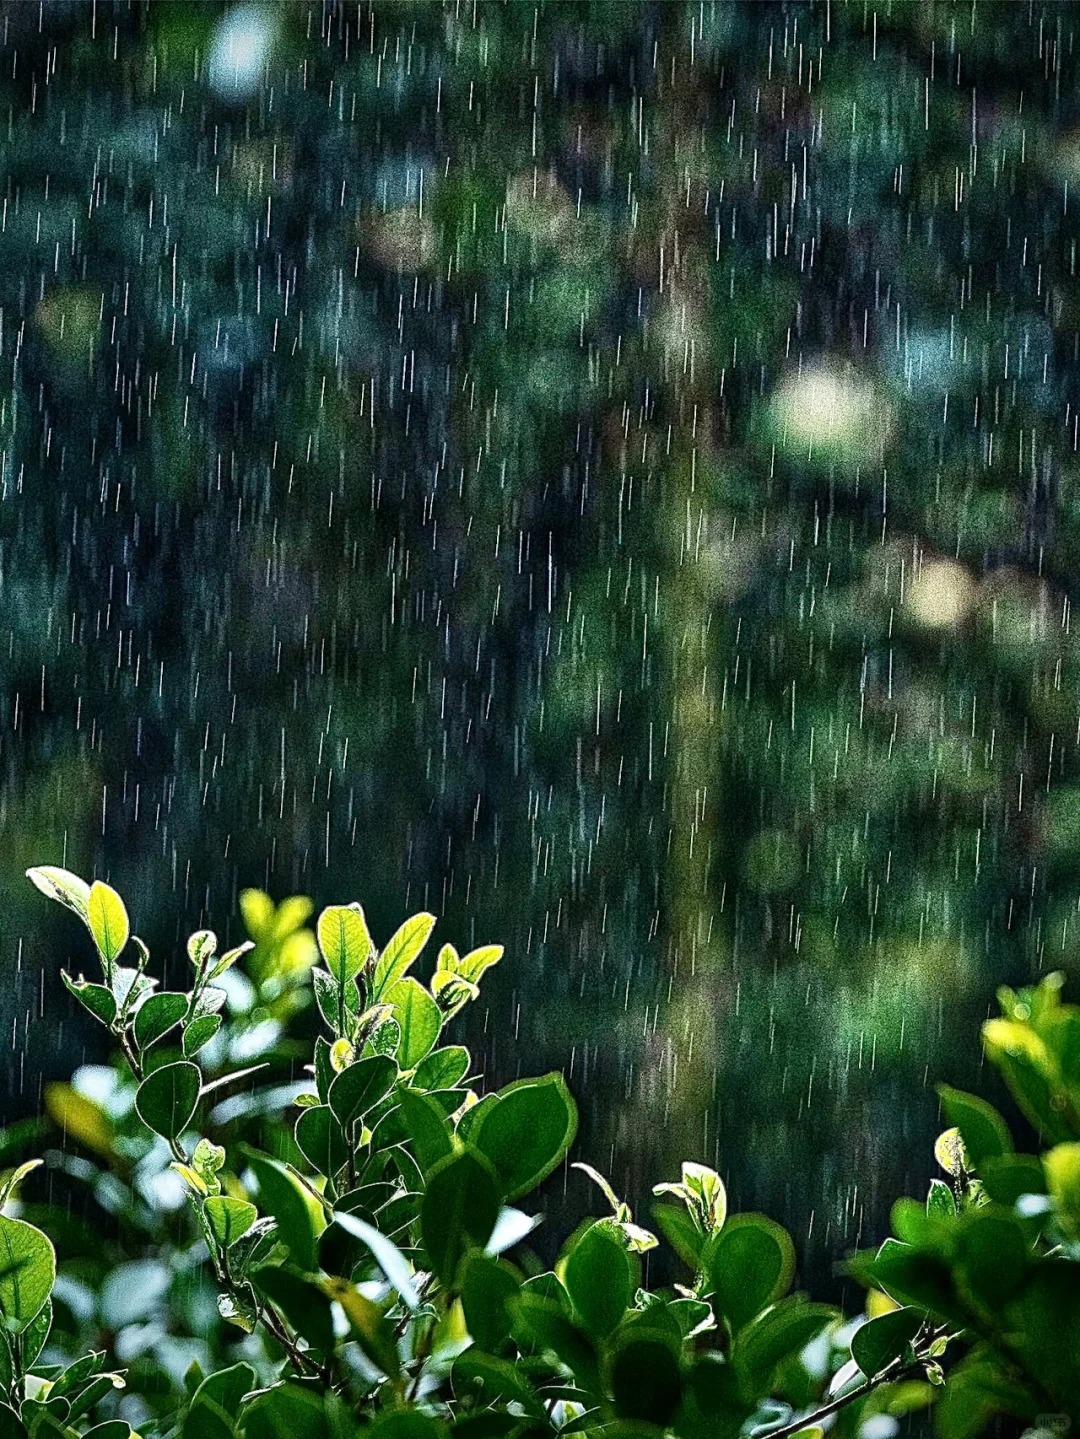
(603,470)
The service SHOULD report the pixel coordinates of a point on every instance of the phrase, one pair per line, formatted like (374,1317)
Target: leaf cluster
(372,1258)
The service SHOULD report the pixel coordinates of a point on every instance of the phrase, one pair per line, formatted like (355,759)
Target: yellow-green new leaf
(401,951)
(61,885)
(108,921)
(344,941)
(27,1272)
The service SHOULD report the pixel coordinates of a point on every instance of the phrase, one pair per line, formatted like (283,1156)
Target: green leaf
(35,1335)
(108,921)
(369,1325)
(229,1219)
(981,1127)
(600,1277)
(646,1383)
(343,941)
(97,998)
(157,1015)
(487,1288)
(405,1424)
(779,1333)
(303,1304)
(526,1132)
(678,1228)
(993,1257)
(199,1033)
(16,1177)
(401,951)
(320,1140)
(80,1117)
(494,1380)
(427,1128)
(876,1344)
(201,948)
(940,1202)
(167,1098)
(62,885)
(980,1387)
(459,1210)
(290,1409)
(748,1265)
(910,1277)
(386,1254)
(11,1426)
(282,1196)
(540,1319)
(443,1068)
(360,1086)
(1062,1168)
(216,1402)
(27,1272)
(1011,1175)
(419,1019)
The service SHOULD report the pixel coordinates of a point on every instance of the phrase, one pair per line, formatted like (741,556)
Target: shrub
(360,1259)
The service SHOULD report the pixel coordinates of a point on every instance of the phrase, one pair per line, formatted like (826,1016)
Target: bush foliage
(362,1230)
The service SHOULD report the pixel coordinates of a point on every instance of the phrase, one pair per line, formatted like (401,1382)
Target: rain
(603,472)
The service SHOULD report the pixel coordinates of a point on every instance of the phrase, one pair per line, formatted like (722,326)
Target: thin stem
(892,1371)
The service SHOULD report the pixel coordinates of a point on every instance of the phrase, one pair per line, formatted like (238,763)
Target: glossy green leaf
(419,1019)
(645,1378)
(526,1132)
(459,1210)
(984,1132)
(876,1344)
(427,1128)
(487,1288)
(290,1409)
(303,1303)
(495,1381)
(748,1265)
(320,1140)
(359,1087)
(993,1256)
(229,1219)
(443,1068)
(910,1277)
(979,1388)
(344,941)
(541,1319)
(600,1276)
(678,1228)
(777,1334)
(298,1218)
(1009,1176)
(157,1015)
(167,1098)
(405,1424)
(401,951)
(36,1334)
(216,1403)
(27,1272)
(97,998)
(940,1201)
(199,1033)
(108,921)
